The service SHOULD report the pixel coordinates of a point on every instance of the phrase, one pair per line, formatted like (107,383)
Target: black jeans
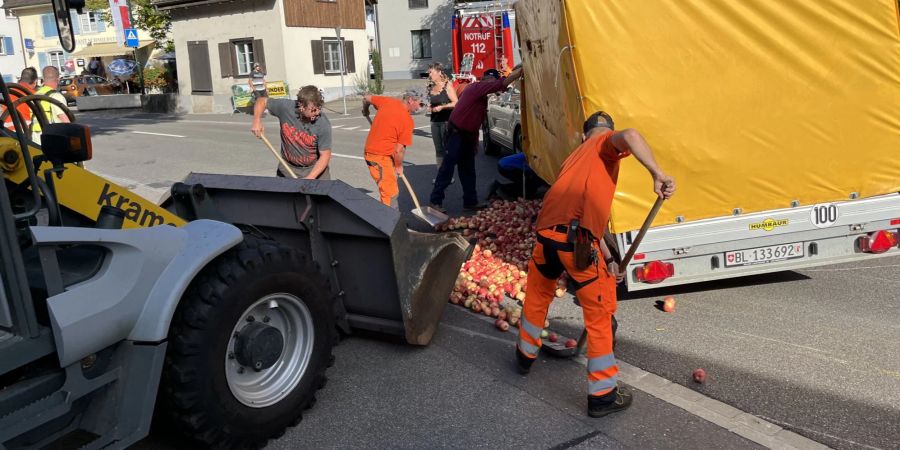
(460,146)
(532,183)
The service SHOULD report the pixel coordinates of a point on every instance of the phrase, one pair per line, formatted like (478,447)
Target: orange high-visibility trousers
(596,291)
(385,175)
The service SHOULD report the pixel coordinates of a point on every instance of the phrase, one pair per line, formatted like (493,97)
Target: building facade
(93,37)
(11,58)
(413,34)
(217,43)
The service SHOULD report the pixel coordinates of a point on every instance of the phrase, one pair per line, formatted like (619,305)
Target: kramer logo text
(769,224)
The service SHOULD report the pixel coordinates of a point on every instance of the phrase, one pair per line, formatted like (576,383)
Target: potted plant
(154,80)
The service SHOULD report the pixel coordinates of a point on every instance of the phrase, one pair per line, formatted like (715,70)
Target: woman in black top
(443,99)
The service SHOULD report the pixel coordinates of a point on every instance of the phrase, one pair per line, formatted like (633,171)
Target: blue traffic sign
(131,39)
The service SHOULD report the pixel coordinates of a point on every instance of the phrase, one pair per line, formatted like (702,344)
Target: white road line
(336,126)
(347,156)
(748,426)
(159,134)
(422,128)
(366,130)
(350,129)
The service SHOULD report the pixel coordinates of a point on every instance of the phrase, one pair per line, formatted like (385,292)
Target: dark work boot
(523,363)
(615,401)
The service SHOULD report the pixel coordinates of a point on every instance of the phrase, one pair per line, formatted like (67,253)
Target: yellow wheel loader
(215,311)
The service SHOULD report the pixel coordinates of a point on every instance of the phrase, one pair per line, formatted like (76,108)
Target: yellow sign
(242,96)
(769,224)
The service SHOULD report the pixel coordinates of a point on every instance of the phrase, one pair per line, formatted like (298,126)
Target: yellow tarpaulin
(749,104)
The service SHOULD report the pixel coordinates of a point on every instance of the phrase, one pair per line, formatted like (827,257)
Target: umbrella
(120,67)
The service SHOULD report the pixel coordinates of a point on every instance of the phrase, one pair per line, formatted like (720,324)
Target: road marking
(366,130)
(336,126)
(350,129)
(820,433)
(748,426)
(347,156)
(422,128)
(159,134)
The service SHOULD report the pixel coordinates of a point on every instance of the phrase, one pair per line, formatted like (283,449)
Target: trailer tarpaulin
(752,104)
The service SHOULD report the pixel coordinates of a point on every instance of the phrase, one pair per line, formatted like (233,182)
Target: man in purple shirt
(461,141)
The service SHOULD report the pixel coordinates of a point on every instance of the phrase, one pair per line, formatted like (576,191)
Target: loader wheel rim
(260,387)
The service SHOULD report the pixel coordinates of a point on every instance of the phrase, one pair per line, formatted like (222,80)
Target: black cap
(491,73)
(599,119)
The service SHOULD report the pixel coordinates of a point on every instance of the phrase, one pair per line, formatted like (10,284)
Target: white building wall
(396,20)
(12,60)
(300,67)
(256,19)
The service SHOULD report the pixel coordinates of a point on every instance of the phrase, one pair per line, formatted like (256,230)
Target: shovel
(427,214)
(559,349)
(278,156)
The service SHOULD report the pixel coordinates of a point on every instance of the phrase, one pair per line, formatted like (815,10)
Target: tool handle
(411,192)
(640,236)
(278,155)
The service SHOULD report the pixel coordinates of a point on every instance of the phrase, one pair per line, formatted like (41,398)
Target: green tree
(144,16)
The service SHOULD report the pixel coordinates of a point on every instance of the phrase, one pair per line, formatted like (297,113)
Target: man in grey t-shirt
(305,132)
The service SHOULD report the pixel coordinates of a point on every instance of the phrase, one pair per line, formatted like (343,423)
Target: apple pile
(505,237)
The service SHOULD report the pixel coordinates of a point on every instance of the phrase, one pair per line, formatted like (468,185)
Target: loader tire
(220,386)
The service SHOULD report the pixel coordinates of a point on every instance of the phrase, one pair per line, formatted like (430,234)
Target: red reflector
(879,242)
(638,256)
(895,222)
(654,272)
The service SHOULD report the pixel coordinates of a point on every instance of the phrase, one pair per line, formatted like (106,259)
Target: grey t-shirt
(259,80)
(301,141)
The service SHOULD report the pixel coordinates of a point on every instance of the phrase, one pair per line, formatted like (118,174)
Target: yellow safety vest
(47,107)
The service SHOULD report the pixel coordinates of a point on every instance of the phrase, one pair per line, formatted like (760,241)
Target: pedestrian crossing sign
(131,39)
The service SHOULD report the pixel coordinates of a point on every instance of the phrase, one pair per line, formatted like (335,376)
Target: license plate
(762,255)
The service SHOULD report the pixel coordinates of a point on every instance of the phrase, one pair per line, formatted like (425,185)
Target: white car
(502,129)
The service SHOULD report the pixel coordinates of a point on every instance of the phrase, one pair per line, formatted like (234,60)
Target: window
(421,44)
(332,52)
(243,52)
(418,4)
(57,59)
(90,22)
(327,56)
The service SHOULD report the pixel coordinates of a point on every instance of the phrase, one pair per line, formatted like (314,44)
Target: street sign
(131,39)
(29,44)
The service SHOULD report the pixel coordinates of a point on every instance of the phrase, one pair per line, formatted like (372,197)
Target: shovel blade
(430,216)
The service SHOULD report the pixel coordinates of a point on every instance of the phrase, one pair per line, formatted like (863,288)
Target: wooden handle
(640,236)
(278,155)
(411,192)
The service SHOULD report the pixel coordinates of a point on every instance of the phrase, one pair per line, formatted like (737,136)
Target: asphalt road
(816,351)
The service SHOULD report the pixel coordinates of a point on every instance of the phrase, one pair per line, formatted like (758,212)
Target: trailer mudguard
(138,286)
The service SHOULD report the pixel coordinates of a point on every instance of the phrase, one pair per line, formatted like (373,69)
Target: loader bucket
(384,277)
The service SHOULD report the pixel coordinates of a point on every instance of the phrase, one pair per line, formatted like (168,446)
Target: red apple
(669,304)
(699,375)
(553,337)
(571,343)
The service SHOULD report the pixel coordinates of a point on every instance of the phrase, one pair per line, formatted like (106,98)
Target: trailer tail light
(878,242)
(654,272)
(895,222)
(638,256)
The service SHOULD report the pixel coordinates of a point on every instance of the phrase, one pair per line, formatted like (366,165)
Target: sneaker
(438,208)
(523,363)
(476,207)
(615,401)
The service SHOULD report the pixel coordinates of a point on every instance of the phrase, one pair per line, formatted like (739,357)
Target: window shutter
(101,25)
(225,59)
(349,60)
(8,46)
(259,54)
(198,58)
(76,23)
(42,62)
(49,25)
(318,53)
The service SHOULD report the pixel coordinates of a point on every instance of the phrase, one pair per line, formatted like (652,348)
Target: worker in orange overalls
(386,144)
(570,228)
